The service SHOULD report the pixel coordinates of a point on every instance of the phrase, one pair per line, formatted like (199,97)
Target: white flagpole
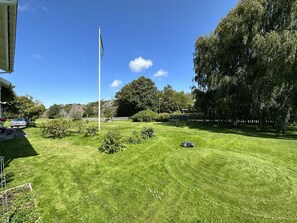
(99,113)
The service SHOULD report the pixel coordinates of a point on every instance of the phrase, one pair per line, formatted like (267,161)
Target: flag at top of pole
(100,54)
(101,46)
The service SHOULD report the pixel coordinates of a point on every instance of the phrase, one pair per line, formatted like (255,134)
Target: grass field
(232,175)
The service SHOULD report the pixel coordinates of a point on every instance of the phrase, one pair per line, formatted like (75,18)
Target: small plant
(108,113)
(135,138)
(57,128)
(163,117)
(91,130)
(112,143)
(78,126)
(145,116)
(181,123)
(147,133)
(177,113)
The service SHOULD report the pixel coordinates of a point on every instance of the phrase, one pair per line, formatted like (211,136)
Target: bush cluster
(83,127)
(163,117)
(57,128)
(181,123)
(77,126)
(145,116)
(150,116)
(90,130)
(112,143)
(147,133)
(135,138)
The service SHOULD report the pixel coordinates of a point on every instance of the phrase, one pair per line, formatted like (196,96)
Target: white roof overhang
(4,83)
(8,17)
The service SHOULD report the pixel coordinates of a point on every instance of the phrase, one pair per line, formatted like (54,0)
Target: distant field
(233,175)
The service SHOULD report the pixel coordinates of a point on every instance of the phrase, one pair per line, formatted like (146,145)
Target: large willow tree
(247,68)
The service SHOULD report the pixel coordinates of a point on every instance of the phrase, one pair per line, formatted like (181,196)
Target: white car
(18,122)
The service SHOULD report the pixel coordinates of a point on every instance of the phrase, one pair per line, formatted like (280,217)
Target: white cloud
(31,6)
(161,73)
(140,64)
(23,7)
(115,83)
(44,8)
(36,56)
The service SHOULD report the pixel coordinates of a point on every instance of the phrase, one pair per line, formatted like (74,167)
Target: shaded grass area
(232,175)
(244,129)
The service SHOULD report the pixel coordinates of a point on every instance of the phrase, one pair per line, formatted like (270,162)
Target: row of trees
(246,69)
(20,106)
(142,94)
(78,111)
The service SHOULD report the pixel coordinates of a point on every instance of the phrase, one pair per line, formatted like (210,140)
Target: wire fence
(3,193)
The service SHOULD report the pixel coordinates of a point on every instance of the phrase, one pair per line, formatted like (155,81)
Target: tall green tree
(140,94)
(91,109)
(171,100)
(249,61)
(8,96)
(27,107)
(54,111)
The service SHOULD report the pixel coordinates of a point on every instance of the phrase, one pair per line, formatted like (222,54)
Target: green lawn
(233,175)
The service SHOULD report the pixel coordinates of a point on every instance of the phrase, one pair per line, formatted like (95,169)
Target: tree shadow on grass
(243,129)
(17,147)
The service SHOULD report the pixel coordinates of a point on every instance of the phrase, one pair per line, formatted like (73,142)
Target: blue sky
(56,58)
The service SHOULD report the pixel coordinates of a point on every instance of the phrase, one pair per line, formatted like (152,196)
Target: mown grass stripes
(227,177)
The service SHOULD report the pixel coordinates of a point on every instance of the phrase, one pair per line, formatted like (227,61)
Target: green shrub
(145,116)
(147,133)
(83,127)
(181,123)
(177,113)
(112,143)
(163,117)
(57,128)
(78,126)
(31,123)
(91,130)
(135,138)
